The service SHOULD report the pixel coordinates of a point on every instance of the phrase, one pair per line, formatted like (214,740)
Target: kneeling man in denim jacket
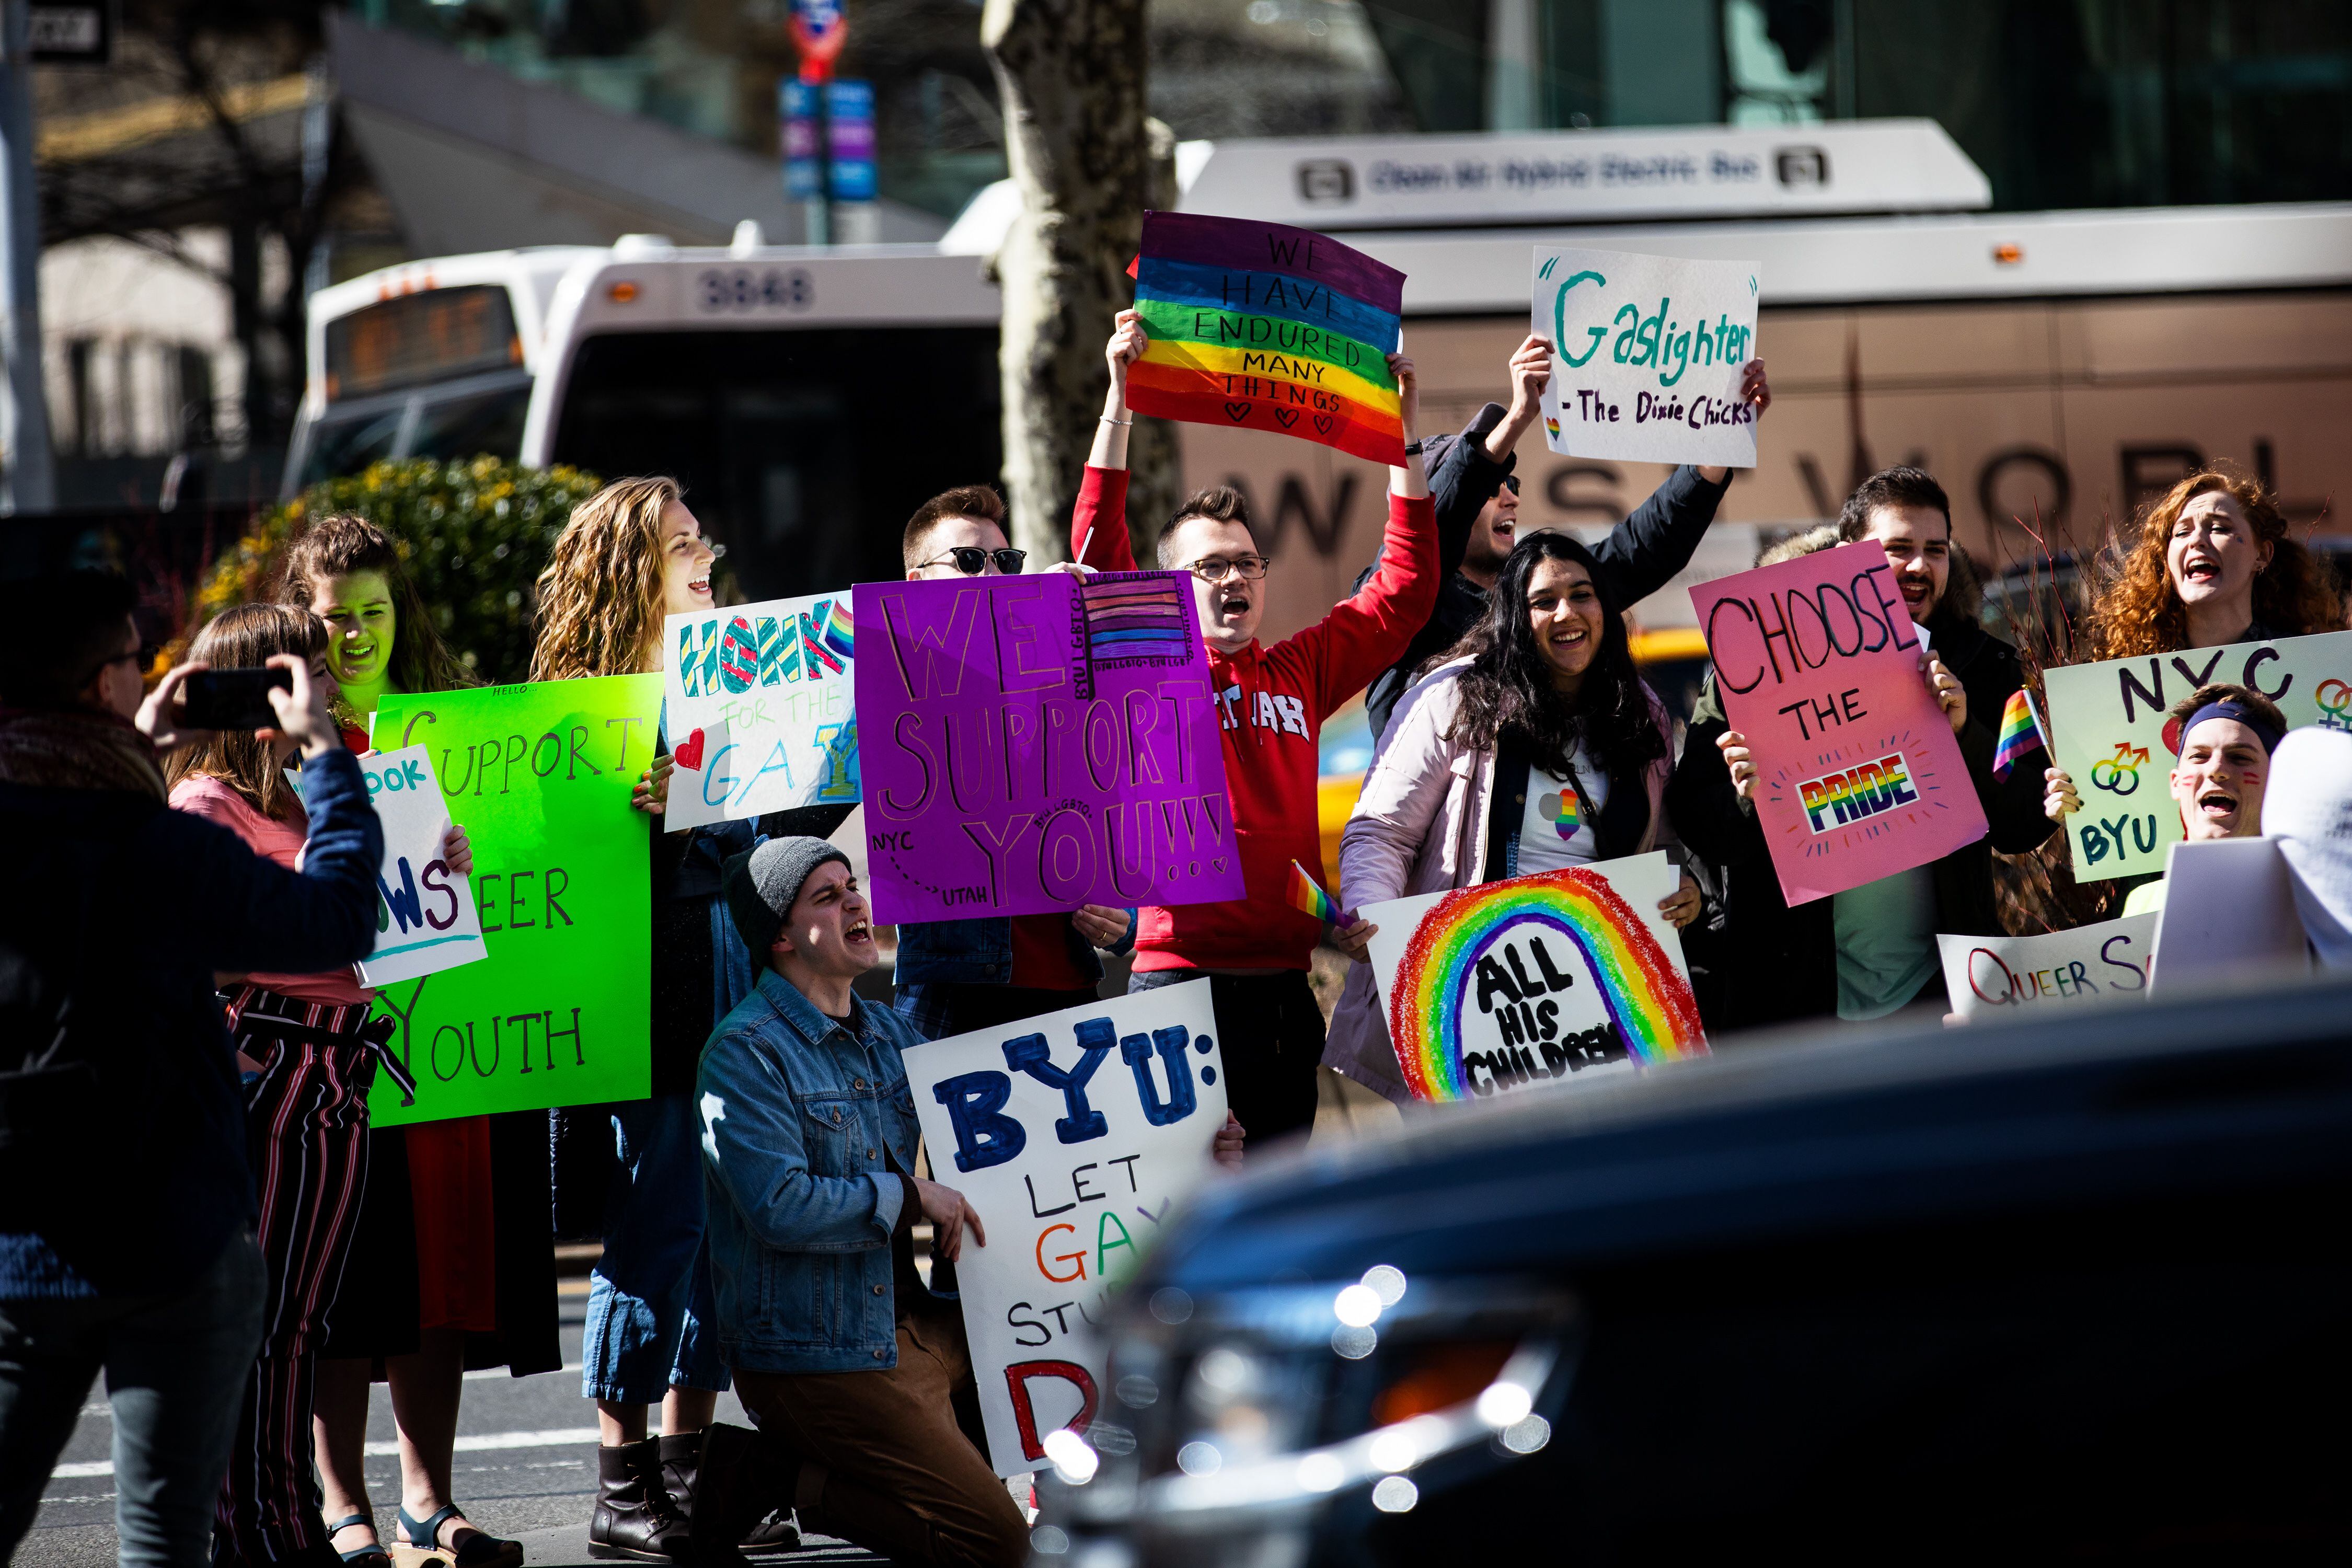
(846,1359)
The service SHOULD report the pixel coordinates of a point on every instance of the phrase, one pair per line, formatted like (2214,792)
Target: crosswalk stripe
(469,1443)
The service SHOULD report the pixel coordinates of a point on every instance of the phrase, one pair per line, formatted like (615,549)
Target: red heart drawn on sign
(688,754)
(1236,412)
(1323,423)
(1286,418)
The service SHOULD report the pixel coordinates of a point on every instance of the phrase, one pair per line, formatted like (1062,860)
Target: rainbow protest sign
(1267,327)
(1507,984)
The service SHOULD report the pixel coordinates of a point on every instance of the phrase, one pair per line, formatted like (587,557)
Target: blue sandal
(358,1553)
(481,1549)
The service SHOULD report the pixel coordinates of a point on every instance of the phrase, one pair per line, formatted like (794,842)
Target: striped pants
(306,1136)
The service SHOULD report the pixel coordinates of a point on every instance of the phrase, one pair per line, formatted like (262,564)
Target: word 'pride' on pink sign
(1032,744)
(1858,774)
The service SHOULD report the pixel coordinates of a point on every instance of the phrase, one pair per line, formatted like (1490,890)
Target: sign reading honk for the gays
(760,710)
(2107,727)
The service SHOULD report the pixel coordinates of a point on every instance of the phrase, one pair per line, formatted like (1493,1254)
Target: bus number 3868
(745,288)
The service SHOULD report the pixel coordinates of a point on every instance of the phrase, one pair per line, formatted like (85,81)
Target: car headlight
(1252,1409)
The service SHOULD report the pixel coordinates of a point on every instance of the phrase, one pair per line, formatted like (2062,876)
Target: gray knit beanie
(761,884)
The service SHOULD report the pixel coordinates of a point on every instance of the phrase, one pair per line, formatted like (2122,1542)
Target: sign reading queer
(1269,327)
(1072,1160)
(557,1013)
(425,917)
(1987,974)
(760,712)
(2107,722)
(1033,744)
(1646,351)
(1507,984)
(1858,774)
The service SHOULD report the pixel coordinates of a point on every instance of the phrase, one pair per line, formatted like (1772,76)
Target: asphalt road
(526,1467)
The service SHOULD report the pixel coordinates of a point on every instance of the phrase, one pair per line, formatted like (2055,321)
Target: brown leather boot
(634,1517)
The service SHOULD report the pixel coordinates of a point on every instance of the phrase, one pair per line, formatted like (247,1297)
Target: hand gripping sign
(1072,1136)
(1858,774)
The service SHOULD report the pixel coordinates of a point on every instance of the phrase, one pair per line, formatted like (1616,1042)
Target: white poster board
(1507,984)
(1989,976)
(425,916)
(2229,917)
(1646,351)
(759,709)
(1071,1135)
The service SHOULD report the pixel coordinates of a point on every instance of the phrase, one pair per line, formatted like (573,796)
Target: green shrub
(474,534)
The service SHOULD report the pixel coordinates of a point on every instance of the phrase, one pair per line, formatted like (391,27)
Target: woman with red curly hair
(2214,566)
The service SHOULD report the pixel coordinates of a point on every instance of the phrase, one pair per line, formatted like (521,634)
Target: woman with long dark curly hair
(2214,565)
(1530,745)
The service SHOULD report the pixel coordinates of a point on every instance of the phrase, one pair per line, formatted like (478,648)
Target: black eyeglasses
(971,560)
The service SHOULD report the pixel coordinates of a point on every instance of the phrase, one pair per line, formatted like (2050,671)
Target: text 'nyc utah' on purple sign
(1034,743)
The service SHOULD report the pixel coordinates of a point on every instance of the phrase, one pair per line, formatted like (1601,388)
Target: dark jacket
(1770,963)
(130,908)
(1636,558)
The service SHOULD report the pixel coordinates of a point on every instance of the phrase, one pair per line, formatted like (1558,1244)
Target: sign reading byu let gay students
(425,916)
(1507,984)
(1031,743)
(758,710)
(1985,974)
(1072,1136)
(557,1012)
(1646,351)
(2107,727)
(1858,774)
(1270,328)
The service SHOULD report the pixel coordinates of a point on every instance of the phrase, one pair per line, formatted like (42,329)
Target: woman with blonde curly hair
(632,555)
(2214,565)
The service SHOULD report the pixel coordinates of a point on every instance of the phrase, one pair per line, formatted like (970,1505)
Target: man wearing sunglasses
(1476,498)
(954,976)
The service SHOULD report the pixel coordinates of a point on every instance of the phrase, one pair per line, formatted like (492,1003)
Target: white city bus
(2058,365)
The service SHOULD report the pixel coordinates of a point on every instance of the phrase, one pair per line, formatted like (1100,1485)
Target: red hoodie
(1271,703)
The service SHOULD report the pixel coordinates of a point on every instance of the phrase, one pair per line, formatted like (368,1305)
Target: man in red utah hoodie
(1272,702)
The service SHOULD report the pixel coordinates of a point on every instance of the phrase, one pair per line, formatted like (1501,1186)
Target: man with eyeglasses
(1271,703)
(955,976)
(1476,498)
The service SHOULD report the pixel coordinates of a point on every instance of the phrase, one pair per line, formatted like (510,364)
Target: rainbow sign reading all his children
(1499,987)
(1269,327)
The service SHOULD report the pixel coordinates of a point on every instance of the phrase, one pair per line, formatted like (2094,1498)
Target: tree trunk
(1071,75)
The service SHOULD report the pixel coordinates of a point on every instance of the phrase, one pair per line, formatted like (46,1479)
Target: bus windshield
(461,419)
(806,450)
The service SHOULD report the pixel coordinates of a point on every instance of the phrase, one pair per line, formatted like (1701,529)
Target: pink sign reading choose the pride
(1858,774)
(1029,744)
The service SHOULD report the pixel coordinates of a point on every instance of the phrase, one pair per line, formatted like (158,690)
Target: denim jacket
(802,1118)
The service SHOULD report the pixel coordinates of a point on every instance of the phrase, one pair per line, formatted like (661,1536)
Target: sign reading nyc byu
(760,710)
(1506,984)
(1072,1136)
(1985,974)
(1646,351)
(425,916)
(2107,723)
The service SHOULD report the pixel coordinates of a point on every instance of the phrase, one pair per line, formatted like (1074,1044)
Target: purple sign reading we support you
(1031,744)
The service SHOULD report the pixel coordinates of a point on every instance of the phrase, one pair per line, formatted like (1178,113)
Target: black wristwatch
(1413,448)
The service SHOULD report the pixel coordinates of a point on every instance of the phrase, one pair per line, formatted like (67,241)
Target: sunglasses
(1511,483)
(971,560)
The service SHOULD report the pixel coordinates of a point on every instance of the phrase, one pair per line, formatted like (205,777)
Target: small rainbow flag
(2020,731)
(1270,328)
(840,632)
(1307,896)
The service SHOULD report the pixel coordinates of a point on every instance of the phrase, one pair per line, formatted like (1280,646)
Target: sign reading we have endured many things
(1646,353)
(760,713)
(1984,975)
(1270,328)
(1031,743)
(1858,774)
(1071,1135)
(425,916)
(557,1013)
(1506,984)
(2107,723)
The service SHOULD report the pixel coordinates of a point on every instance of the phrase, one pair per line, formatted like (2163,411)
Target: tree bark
(1071,76)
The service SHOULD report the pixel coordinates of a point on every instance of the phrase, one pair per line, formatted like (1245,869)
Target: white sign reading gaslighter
(1646,356)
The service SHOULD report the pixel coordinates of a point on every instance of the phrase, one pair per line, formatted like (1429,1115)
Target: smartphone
(232,699)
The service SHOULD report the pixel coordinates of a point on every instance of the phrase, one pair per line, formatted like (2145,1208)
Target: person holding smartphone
(126,1205)
(458,1207)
